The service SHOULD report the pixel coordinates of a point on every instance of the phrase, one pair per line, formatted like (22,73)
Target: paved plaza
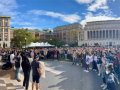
(65,76)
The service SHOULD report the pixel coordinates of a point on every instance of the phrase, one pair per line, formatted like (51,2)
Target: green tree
(36,39)
(60,43)
(52,41)
(74,34)
(19,36)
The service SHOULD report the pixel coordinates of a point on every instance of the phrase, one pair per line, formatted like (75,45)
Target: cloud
(98,4)
(8,7)
(21,23)
(71,18)
(84,1)
(94,5)
(98,17)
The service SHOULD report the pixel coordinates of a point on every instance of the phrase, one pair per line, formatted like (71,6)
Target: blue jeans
(74,60)
(77,60)
(17,73)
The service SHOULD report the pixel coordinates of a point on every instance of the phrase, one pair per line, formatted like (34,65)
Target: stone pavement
(7,84)
(59,76)
(65,76)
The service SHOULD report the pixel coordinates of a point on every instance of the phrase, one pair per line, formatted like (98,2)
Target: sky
(44,14)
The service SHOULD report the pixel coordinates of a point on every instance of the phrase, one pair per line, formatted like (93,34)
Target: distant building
(45,34)
(103,33)
(64,32)
(5,31)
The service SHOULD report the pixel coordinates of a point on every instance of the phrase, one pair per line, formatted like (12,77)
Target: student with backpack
(26,70)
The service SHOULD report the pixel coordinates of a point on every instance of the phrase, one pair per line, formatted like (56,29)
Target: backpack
(7,66)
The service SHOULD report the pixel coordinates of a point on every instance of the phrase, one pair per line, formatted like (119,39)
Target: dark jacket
(26,65)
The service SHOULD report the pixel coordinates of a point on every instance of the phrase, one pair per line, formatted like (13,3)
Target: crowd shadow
(74,78)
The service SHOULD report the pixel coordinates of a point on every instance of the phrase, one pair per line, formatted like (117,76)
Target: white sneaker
(102,85)
(98,74)
(87,71)
(77,64)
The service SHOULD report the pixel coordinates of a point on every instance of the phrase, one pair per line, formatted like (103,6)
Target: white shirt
(95,58)
(87,58)
(91,58)
(11,58)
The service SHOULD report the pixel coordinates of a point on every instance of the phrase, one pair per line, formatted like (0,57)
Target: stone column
(89,35)
(93,34)
(115,34)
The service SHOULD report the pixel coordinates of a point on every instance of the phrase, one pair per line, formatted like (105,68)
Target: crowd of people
(104,60)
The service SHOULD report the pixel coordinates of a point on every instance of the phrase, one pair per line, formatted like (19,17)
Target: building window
(0,29)
(5,23)
(0,37)
(117,33)
(103,33)
(110,33)
(6,45)
(113,33)
(6,38)
(6,30)
(106,33)
(88,34)
(0,23)
(100,34)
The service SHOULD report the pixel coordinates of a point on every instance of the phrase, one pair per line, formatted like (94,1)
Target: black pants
(87,66)
(26,79)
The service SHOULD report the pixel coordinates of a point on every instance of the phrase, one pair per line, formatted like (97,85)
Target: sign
(42,68)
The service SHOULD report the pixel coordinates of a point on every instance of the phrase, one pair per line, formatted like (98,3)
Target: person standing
(26,70)
(12,57)
(35,72)
(87,62)
(110,78)
(17,66)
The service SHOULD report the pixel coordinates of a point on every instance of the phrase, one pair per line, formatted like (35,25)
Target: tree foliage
(74,34)
(55,41)
(60,43)
(19,36)
(36,39)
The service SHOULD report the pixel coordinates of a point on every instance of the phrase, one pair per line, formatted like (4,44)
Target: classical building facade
(5,31)
(64,32)
(101,33)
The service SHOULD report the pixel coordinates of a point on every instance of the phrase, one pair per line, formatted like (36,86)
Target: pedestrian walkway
(7,84)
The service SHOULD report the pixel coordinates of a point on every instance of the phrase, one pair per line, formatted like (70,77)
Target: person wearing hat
(35,72)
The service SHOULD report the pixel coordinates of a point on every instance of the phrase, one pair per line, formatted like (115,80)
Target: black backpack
(7,66)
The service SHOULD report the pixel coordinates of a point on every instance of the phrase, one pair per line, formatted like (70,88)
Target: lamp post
(25,43)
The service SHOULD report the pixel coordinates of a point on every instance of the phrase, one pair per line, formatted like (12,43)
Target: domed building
(103,33)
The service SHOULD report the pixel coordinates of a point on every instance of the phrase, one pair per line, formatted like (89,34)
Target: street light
(25,43)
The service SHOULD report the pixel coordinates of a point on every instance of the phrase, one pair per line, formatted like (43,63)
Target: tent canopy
(42,44)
